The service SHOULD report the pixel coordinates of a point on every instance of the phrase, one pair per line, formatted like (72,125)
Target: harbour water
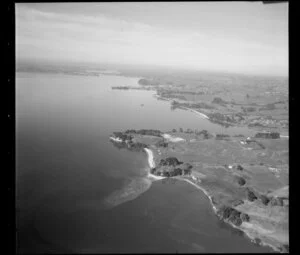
(76,192)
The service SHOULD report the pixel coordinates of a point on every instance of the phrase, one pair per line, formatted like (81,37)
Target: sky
(241,37)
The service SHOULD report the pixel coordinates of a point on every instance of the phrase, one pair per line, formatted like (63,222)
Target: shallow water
(76,192)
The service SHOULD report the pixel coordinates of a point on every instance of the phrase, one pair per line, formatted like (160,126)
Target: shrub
(187,168)
(264,199)
(218,100)
(241,181)
(268,135)
(231,215)
(237,202)
(236,220)
(277,201)
(245,217)
(285,248)
(250,195)
(177,171)
(162,144)
(239,167)
(257,241)
(171,161)
(205,133)
(248,109)
(221,136)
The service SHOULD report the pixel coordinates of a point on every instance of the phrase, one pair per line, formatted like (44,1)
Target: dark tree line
(151,132)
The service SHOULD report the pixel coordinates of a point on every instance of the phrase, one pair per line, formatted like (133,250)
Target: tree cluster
(222,136)
(250,195)
(240,180)
(162,144)
(268,135)
(218,100)
(193,105)
(264,199)
(233,215)
(151,132)
(170,167)
(122,136)
(171,161)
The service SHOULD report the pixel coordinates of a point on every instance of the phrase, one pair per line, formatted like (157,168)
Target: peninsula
(246,179)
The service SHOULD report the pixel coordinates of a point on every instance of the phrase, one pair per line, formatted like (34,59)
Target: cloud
(65,36)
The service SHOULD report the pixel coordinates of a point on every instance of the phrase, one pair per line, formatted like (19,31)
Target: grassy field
(261,101)
(220,165)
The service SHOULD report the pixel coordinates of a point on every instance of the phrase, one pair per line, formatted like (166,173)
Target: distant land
(246,178)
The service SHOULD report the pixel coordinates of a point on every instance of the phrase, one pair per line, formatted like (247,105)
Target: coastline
(152,165)
(244,230)
(202,189)
(194,111)
(185,108)
(118,140)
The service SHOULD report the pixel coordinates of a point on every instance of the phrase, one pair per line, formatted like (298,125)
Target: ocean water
(77,193)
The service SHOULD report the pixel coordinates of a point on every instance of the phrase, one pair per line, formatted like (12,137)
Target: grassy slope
(209,159)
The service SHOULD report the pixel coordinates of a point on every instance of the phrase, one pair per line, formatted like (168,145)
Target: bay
(77,193)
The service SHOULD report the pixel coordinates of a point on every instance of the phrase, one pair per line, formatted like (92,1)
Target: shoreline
(185,108)
(118,140)
(202,189)
(247,234)
(152,165)
(194,111)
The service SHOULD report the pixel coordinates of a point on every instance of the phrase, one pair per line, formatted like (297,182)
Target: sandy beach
(199,113)
(182,107)
(199,187)
(152,165)
(115,139)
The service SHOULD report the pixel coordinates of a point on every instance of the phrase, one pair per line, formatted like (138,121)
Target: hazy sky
(227,36)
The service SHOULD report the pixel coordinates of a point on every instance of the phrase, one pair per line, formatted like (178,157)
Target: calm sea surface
(76,192)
